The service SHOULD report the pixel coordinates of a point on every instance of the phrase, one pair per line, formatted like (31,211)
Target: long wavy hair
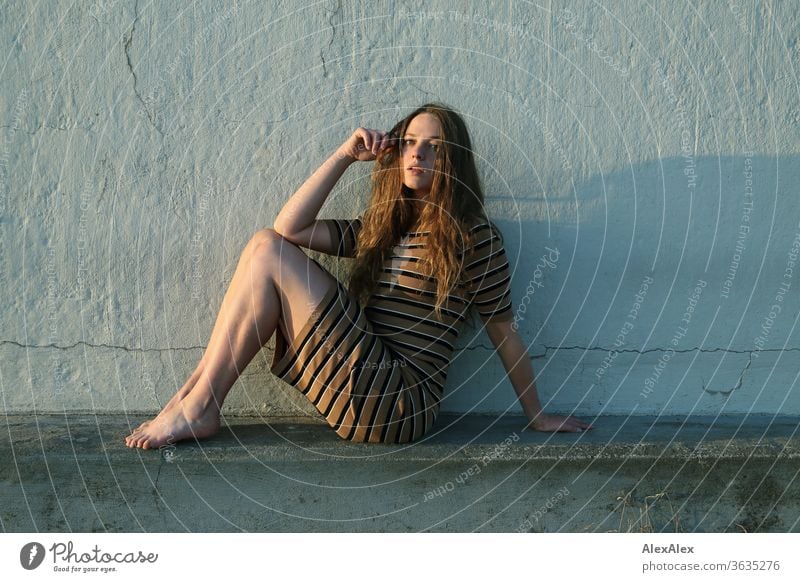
(454,204)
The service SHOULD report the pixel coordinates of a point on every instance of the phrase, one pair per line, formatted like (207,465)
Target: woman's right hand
(365,144)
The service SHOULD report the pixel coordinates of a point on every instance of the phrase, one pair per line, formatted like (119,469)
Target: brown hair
(455,202)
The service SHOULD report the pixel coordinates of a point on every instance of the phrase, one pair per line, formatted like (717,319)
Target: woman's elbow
(285,229)
(280,227)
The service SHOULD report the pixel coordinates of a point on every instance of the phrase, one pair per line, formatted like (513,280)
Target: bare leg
(275,283)
(241,273)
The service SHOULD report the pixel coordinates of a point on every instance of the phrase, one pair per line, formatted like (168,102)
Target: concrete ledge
(475,473)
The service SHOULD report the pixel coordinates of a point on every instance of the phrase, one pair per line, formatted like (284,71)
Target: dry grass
(641,514)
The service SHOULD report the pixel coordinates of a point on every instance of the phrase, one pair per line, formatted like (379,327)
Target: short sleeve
(344,235)
(487,275)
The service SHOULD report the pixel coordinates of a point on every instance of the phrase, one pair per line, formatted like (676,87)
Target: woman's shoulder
(480,229)
(482,237)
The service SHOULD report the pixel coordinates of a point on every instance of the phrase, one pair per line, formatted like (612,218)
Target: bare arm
(517,363)
(297,219)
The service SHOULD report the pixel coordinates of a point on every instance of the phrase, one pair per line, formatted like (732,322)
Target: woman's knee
(266,244)
(261,236)
(270,249)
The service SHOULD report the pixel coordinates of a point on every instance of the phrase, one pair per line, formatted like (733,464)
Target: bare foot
(184,420)
(176,398)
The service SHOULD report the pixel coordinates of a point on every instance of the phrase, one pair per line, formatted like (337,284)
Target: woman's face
(419,148)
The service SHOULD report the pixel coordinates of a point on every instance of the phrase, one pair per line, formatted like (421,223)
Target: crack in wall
(738,382)
(631,351)
(333,34)
(727,350)
(704,388)
(126,48)
(91,345)
(45,126)
(465,349)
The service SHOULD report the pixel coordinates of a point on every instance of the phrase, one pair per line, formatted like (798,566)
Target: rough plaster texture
(142,143)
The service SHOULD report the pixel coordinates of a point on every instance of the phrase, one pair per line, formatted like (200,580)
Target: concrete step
(474,473)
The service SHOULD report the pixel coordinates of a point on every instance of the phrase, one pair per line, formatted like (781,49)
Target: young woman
(372,358)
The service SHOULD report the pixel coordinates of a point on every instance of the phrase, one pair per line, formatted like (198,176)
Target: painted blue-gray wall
(641,160)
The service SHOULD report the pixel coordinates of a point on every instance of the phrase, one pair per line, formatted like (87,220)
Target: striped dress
(377,373)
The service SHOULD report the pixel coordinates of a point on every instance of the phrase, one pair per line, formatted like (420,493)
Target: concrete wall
(642,162)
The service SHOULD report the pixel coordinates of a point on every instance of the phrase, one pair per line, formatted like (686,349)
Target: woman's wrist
(535,419)
(341,157)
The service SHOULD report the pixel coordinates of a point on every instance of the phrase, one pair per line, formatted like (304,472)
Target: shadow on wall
(669,287)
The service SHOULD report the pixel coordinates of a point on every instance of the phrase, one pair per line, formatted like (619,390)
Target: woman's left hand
(554,423)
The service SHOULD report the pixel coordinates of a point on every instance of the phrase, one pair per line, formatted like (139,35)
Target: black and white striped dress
(377,374)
